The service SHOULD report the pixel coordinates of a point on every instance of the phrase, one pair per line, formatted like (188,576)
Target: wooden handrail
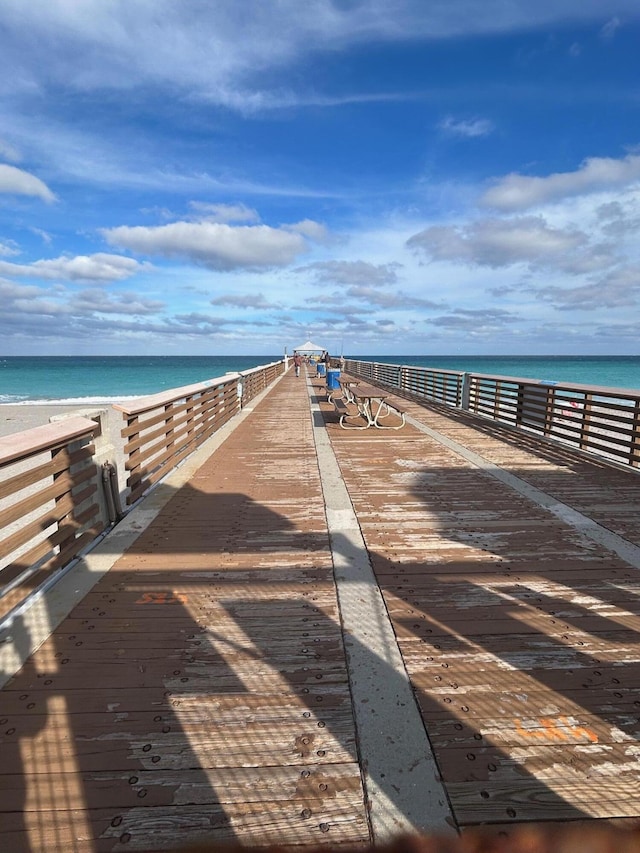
(22,445)
(164,398)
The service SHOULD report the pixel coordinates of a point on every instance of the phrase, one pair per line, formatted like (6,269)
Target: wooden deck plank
(159,700)
(241,719)
(461,702)
(545,763)
(121,649)
(222,785)
(556,681)
(566,571)
(119,748)
(99,830)
(201,678)
(498,644)
(178,623)
(538,728)
(413,624)
(598,798)
(464,592)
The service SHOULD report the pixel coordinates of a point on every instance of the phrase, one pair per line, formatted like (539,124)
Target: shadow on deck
(201,689)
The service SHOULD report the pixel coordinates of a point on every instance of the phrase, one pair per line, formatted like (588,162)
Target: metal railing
(597,419)
(443,386)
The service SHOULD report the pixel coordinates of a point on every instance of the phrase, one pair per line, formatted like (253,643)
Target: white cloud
(244,301)
(99,267)
(8,249)
(221,51)
(618,332)
(129,304)
(499,242)
(481,320)
(9,152)
(361,273)
(214,245)
(40,308)
(44,235)
(224,212)
(85,158)
(18,182)
(610,28)
(466,127)
(10,291)
(388,299)
(313,230)
(619,289)
(519,192)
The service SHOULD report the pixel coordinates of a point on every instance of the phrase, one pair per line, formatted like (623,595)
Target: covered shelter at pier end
(309,348)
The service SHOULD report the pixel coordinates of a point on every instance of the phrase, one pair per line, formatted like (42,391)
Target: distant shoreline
(77,402)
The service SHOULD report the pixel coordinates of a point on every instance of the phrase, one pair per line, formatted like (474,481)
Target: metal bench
(393,405)
(341,407)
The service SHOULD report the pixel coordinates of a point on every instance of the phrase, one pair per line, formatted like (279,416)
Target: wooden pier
(310,635)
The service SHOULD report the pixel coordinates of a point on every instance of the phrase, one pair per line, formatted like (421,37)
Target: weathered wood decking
(201,689)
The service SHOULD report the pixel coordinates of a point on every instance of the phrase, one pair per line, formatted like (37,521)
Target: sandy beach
(18,418)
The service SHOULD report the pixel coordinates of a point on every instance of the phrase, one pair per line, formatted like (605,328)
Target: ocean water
(99,379)
(612,371)
(102,379)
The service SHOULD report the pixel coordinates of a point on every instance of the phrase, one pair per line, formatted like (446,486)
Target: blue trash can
(320,368)
(333,375)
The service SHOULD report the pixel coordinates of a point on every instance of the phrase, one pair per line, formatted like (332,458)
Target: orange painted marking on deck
(561,729)
(581,730)
(162,598)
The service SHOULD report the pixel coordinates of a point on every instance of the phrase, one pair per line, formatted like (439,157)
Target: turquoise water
(87,380)
(97,379)
(613,371)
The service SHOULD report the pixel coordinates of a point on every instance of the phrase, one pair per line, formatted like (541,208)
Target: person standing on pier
(297,361)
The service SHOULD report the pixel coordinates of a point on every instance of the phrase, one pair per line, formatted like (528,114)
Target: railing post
(133,463)
(403,378)
(548,410)
(64,523)
(190,414)
(465,392)
(586,420)
(634,459)
(497,400)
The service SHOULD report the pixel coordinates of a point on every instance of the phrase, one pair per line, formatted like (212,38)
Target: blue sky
(383,176)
